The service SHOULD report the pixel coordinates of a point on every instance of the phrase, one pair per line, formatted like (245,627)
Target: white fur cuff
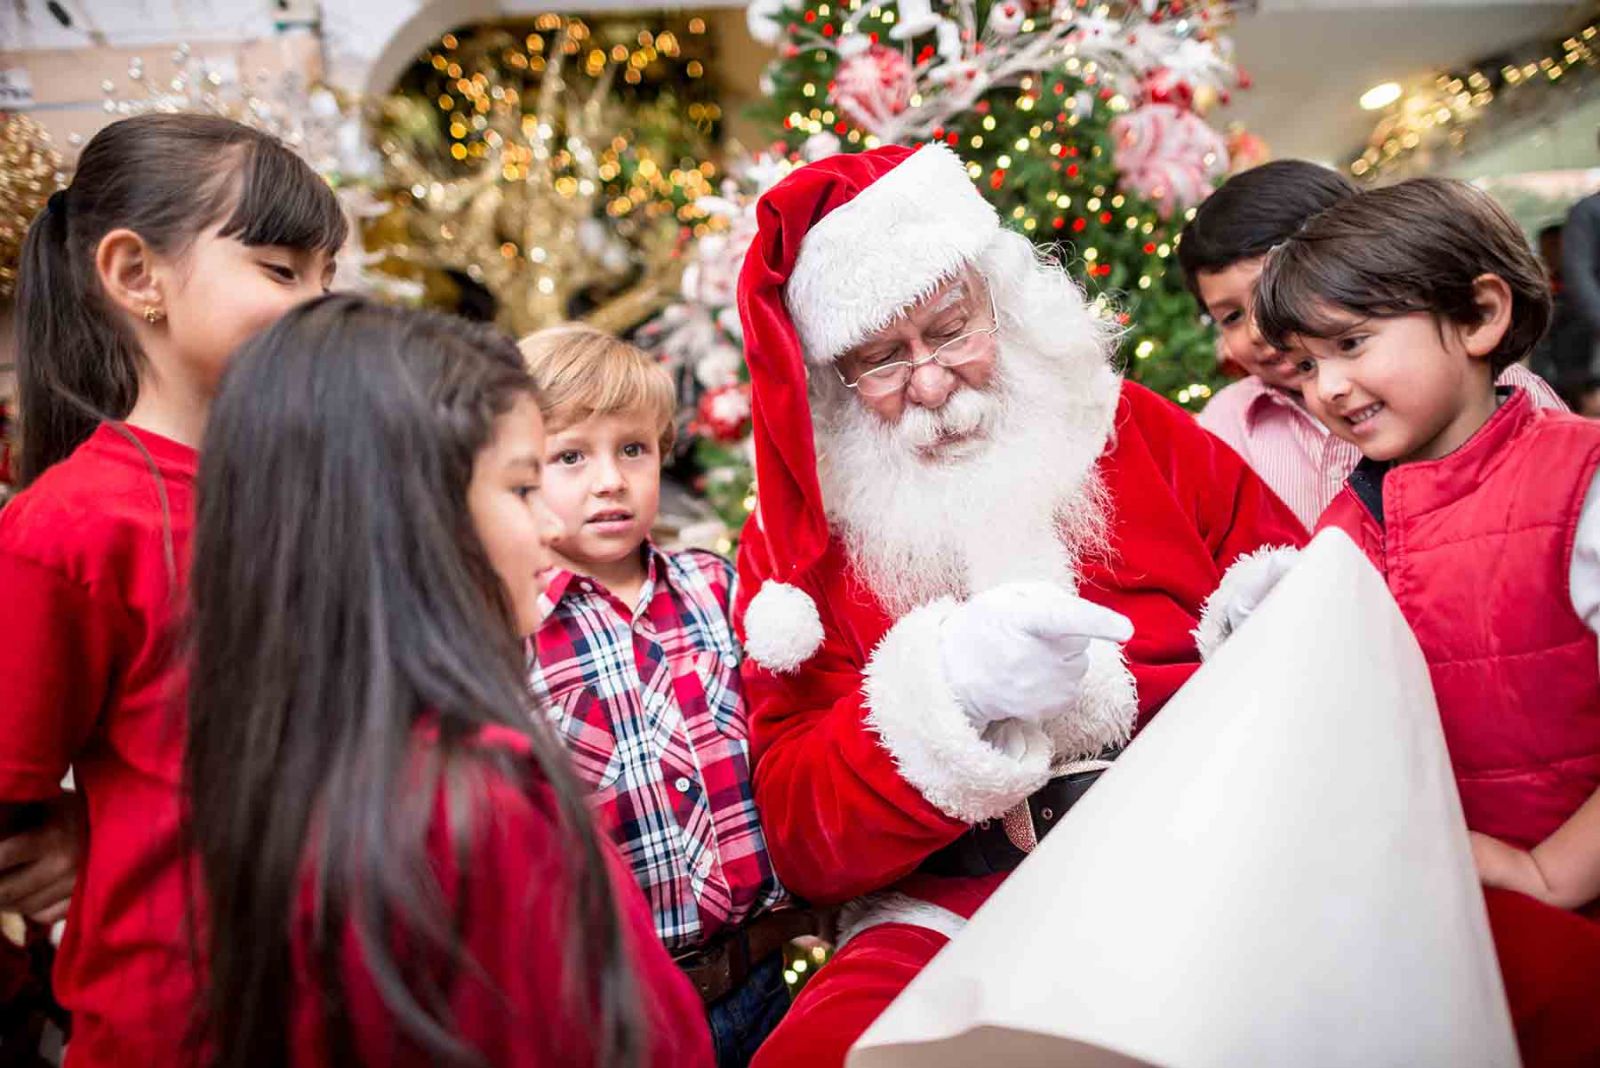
(892,906)
(1105,711)
(1244,586)
(933,742)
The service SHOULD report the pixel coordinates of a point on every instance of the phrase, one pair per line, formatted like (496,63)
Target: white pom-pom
(781,627)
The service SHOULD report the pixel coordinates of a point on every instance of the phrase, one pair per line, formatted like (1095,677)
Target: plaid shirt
(649,704)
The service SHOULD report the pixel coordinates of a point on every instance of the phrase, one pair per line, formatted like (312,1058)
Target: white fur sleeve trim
(874,910)
(1244,579)
(926,730)
(1105,711)
(782,628)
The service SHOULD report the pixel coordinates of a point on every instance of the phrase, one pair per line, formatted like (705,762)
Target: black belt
(987,847)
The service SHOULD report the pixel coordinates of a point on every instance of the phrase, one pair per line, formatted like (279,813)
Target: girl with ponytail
(179,237)
(399,866)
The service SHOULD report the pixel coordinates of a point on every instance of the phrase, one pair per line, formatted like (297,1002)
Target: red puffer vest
(1476,548)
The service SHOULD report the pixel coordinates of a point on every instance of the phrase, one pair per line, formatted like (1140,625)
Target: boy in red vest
(1402,305)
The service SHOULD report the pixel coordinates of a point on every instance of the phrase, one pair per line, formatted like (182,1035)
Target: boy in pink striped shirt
(1262,415)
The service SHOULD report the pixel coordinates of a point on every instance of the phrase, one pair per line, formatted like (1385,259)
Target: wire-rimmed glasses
(890,378)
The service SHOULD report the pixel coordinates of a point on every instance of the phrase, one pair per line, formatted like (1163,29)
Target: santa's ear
(782,628)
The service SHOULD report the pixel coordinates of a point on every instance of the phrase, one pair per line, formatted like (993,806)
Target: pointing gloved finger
(1078,619)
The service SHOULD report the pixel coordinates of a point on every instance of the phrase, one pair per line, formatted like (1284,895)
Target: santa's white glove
(1253,585)
(1020,651)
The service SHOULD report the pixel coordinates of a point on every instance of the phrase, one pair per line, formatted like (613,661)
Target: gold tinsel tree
(554,162)
(30,170)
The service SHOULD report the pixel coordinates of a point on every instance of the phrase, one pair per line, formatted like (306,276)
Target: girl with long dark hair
(179,237)
(399,866)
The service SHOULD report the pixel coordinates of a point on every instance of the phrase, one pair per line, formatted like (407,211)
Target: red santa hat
(844,245)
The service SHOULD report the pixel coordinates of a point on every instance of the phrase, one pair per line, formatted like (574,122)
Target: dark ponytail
(168,178)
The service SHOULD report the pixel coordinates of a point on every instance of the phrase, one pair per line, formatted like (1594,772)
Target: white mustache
(966,411)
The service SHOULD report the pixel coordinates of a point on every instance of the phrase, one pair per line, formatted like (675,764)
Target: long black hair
(168,178)
(340,596)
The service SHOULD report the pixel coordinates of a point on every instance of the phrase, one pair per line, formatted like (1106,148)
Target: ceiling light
(1380,96)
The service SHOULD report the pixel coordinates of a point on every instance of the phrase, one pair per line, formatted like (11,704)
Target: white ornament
(820,146)
(761,18)
(916,17)
(1006,17)
(853,44)
(949,40)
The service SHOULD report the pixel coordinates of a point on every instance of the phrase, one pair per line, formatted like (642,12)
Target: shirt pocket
(718,671)
(583,725)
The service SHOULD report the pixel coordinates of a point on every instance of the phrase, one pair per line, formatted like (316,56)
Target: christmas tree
(1082,123)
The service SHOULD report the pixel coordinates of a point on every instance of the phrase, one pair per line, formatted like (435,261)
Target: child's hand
(39,866)
(1507,867)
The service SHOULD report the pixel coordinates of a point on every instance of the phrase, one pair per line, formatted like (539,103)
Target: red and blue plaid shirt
(648,702)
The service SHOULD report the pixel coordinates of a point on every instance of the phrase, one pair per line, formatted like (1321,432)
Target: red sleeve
(513,901)
(839,818)
(58,655)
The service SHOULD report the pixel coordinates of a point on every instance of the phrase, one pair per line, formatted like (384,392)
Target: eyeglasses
(890,378)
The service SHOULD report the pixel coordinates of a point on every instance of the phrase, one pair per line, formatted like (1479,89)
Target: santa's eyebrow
(954,295)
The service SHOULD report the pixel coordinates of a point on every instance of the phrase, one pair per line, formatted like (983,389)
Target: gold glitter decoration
(29,166)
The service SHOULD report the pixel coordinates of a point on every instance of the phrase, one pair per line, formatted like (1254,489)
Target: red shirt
(88,679)
(513,900)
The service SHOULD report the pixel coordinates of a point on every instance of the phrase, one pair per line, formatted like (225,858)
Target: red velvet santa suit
(866,762)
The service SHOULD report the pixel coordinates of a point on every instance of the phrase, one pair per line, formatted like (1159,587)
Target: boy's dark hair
(1255,210)
(1413,247)
(168,178)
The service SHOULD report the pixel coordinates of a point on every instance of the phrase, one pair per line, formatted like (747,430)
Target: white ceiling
(1311,59)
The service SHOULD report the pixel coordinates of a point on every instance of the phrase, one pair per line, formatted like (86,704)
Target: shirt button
(681,784)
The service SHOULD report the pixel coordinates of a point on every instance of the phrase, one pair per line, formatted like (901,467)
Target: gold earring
(153,314)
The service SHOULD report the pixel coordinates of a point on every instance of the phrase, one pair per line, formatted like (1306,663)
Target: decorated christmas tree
(1084,124)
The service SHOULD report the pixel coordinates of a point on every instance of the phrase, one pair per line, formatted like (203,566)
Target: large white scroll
(1275,873)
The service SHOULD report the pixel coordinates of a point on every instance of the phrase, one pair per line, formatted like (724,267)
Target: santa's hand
(1254,586)
(1020,651)
(1243,589)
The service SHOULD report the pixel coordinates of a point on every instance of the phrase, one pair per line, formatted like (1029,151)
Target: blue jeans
(743,1018)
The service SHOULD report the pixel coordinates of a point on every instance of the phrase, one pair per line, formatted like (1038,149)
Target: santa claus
(977,566)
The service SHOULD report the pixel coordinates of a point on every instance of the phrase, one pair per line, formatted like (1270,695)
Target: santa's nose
(931,385)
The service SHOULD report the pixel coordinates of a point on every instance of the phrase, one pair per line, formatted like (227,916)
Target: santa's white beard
(1024,503)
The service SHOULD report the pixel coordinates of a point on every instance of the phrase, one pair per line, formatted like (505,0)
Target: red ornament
(724,413)
(1078,226)
(1105,218)
(873,87)
(827,31)
(1072,170)
(1162,86)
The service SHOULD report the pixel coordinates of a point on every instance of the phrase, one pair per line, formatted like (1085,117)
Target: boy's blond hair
(583,372)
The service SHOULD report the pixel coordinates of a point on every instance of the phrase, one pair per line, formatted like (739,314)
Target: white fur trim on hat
(871,258)
(892,906)
(782,628)
(1242,589)
(1104,712)
(932,739)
